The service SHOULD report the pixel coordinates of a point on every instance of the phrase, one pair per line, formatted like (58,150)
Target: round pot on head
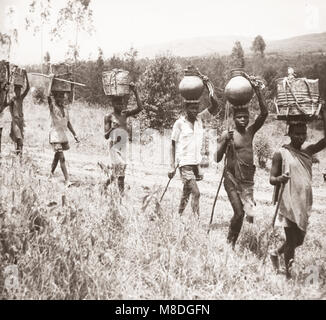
(191,86)
(238,90)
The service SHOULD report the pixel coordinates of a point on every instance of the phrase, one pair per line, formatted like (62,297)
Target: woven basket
(18,78)
(63,71)
(297,98)
(116,82)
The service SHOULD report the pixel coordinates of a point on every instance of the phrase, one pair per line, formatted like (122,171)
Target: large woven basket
(298,97)
(116,82)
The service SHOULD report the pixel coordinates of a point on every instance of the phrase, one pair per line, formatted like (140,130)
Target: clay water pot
(191,86)
(238,90)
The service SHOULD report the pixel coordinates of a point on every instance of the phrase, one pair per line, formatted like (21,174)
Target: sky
(120,24)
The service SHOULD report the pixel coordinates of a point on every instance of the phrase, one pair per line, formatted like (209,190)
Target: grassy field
(99,246)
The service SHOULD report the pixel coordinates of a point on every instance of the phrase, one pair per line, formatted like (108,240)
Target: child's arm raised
(27,85)
(139,108)
(321,144)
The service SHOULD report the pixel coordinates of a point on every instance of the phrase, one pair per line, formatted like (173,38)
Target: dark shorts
(59,147)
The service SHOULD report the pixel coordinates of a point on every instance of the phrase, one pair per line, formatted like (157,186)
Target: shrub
(263,150)
(38,95)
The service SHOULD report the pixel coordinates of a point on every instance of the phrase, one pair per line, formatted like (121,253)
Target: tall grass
(99,246)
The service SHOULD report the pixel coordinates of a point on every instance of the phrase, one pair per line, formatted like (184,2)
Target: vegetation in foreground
(98,247)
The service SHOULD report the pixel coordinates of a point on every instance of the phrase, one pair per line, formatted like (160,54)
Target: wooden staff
(169,183)
(274,218)
(224,169)
(63,80)
(213,208)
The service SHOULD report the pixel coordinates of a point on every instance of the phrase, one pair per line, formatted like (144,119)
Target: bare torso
(243,147)
(114,120)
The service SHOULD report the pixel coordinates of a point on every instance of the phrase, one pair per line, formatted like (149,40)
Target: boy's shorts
(188,172)
(119,170)
(59,147)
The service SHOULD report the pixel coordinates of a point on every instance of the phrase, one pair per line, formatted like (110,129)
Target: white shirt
(189,140)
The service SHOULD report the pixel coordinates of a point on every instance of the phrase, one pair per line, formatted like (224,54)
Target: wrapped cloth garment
(59,125)
(296,202)
(117,151)
(244,191)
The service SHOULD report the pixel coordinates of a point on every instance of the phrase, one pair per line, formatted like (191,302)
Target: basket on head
(297,98)
(18,78)
(63,71)
(116,82)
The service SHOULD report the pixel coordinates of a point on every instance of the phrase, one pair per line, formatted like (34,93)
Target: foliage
(237,56)
(95,247)
(39,96)
(258,45)
(262,149)
(159,86)
(39,13)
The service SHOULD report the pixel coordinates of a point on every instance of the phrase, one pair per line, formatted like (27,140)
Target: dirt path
(84,169)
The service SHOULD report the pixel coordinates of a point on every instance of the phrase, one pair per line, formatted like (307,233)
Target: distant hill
(306,43)
(223,45)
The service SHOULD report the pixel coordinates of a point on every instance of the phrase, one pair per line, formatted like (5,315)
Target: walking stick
(274,218)
(213,208)
(218,189)
(168,183)
(224,169)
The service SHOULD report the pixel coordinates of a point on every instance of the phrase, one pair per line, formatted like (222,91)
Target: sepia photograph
(170,151)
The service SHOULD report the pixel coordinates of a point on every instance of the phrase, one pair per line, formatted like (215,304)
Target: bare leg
(238,212)
(121,184)
(185,196)
(294,239)
(19,147)
(63,166)
(195,197)
(55,161)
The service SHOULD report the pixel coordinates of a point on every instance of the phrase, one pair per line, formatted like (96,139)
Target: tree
(76,14)
(130,62)
(8,39)
(159,87)
(258,45)
(237,56)
(47,62)
(97,94)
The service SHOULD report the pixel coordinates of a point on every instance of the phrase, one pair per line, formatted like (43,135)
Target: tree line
(158,78)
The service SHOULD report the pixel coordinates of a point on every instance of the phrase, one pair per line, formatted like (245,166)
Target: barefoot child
(115,130)
(292,166)
(239,176)
(60,122)
(17,115)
